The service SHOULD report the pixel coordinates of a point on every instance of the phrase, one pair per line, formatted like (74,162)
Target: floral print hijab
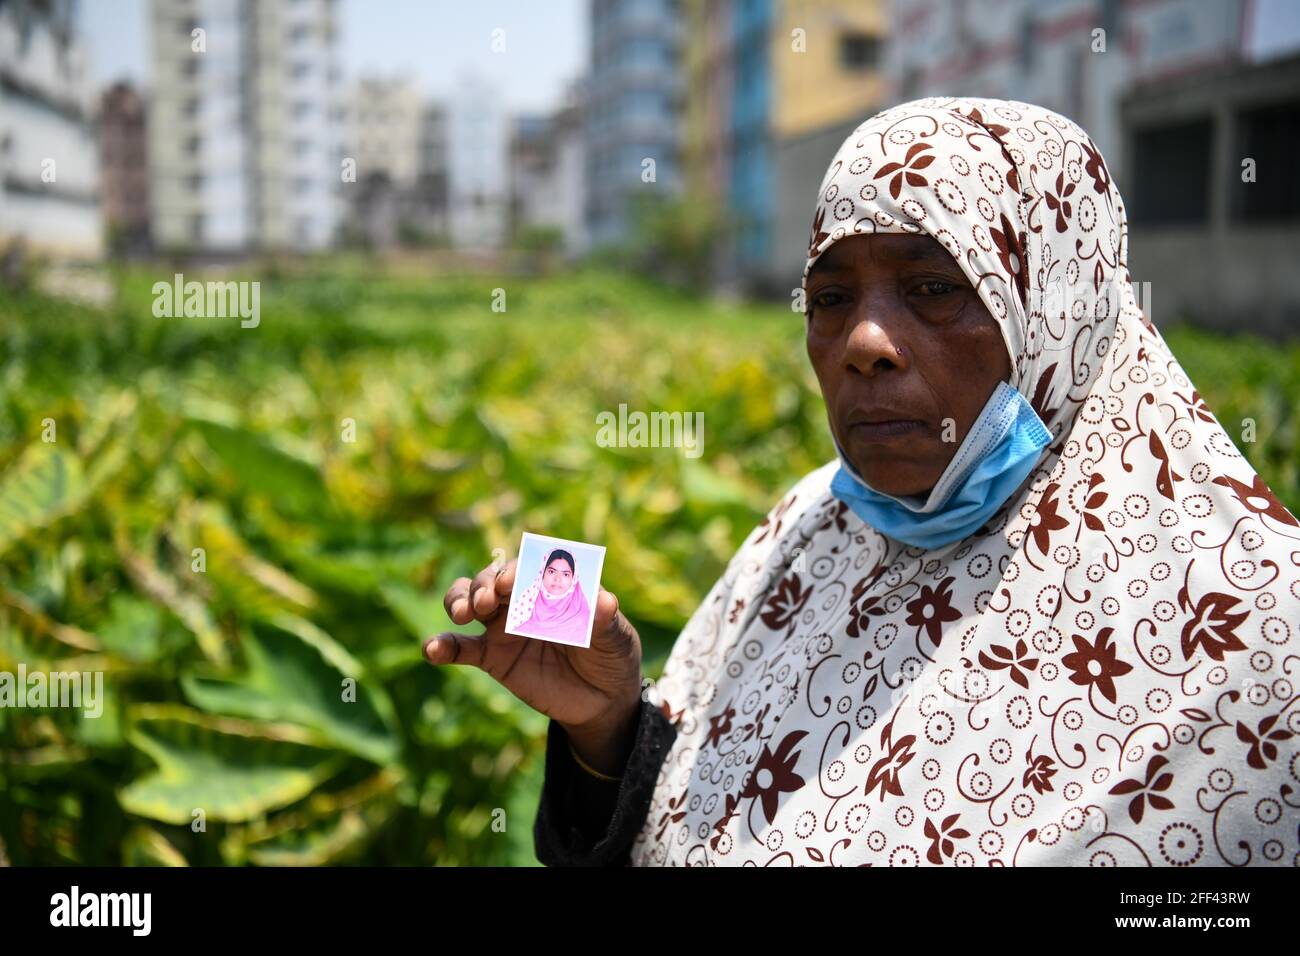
(1103,674)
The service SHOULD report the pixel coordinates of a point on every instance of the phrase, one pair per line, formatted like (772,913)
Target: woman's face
(557,576)
(906,355)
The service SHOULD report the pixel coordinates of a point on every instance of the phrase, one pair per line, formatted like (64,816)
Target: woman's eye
(935,287)
(828,300)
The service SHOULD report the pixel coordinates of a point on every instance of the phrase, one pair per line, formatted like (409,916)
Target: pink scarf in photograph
(562,617)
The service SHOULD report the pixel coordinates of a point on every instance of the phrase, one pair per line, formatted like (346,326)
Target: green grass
(325,559)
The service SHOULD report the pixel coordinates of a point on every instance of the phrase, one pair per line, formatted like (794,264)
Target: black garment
(584,821)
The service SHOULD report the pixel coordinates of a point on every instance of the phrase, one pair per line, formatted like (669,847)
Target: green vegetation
(324,559)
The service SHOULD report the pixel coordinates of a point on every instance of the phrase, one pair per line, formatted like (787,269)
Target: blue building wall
(753,192)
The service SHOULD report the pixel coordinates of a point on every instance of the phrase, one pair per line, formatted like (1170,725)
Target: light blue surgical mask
(997,454)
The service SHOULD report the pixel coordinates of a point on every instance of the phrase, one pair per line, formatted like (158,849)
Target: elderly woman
(1040,610)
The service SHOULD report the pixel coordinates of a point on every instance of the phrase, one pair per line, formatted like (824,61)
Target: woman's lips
(885,431)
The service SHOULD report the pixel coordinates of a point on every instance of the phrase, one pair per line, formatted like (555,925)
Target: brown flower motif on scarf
(1165,476)
(672,814)
(1042,400)
(1011,251)
(1045,520)
(774,774)
(720,726)
(1263,747)
(1258,497)
(818,234)
(1096,168)
(1059,201)
(997,129)
(1196,406)
(1147,790)
(884,772)
(674,716)
(788,601)
(1096,664)
(1004,657)
(1041,770)
(941,838)
(860,612)
(729,811)
(932,609)
(836,518)
(1094,501)
(771,524)
(911,162)
(736,608)
(1212,625)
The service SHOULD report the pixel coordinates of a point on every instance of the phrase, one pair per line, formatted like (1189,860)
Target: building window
(859,51)
(1171,173)
(1267,135)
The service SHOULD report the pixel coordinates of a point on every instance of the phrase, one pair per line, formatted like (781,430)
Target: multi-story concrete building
(547,174)
(48,168)
(383,128)
(774,89)
(1210,180)
(1177,96)
(124,168)
(431,174)
(245,131)
(1073,56)
(828,77)
(390,201)
(635,95)
(478,188)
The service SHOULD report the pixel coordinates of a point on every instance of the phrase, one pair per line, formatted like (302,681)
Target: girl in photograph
(553,607)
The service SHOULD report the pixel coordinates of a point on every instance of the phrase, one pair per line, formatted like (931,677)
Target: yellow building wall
(813,89)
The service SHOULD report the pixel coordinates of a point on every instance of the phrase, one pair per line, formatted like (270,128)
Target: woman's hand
(594,692)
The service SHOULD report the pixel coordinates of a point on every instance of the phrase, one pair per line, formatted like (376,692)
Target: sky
(434,41)
(437,40)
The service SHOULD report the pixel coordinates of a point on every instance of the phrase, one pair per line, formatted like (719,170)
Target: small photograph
(556,583)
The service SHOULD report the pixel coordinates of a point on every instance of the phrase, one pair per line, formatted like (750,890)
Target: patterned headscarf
(1105,673)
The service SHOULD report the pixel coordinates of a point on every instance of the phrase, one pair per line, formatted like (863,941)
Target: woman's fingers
(505,579)
(451,648)
(610,624)
(486,591)
(480,598)
(606,609)
(456,602)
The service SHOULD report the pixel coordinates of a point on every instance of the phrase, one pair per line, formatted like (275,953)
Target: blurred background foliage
(326,559)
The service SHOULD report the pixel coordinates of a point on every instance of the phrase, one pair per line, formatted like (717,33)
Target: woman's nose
(874,343)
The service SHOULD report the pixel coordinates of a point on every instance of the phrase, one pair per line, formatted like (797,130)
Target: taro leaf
(232,770)
(361,570)
(255,588)
(45,484)
(134,629)
(266,468)
(145,846)
(328,828)
(323,843)
(188,607)
(296,674)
